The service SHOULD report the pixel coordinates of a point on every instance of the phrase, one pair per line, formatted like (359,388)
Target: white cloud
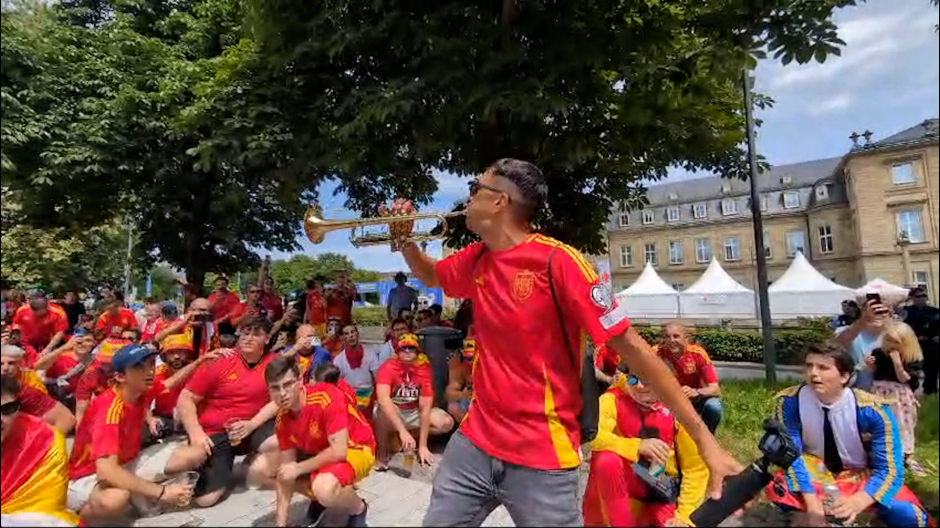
(839,101)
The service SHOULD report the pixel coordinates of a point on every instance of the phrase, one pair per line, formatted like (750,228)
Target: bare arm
(339,448)
(422,265)
(80,407)
(710,390)
(186,405)
(110,471)
(899,370)
(455,383)
(53,343)
(171,329)
(383,393)
(266,414)
(425,403)
(637,353)
(60,417)
(46,360)
(285,489)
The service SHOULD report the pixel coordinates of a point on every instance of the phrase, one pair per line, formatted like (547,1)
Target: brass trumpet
(316,227)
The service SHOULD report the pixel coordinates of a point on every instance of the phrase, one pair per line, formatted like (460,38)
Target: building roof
(801,174)
(922,131)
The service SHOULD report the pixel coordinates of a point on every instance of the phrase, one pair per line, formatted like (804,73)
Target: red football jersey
(111,426)
(407,383)
(325,413)
(693,368)
(164,399)
(229,388)
(38,331)
(113,325)
(526,383)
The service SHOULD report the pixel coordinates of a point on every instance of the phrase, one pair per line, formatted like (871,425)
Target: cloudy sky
(887,79)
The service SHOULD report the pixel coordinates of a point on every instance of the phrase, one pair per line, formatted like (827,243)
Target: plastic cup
(229,425)
(189,478)
(408,459)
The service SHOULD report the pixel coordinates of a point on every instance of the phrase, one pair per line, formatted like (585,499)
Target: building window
(920,279)
(796,243)
(911,226)
(678,286)
(903,173)
(651,257)
(672,214)
(732,249)
(648,217)
(768,246)
(764,200)
(676,252)
(624,220)
(703,250)
(700,211)
(729,206)
(822,192)
(626,256)
(791,199)
(825,239)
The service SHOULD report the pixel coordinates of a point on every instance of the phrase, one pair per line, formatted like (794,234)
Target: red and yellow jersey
(339,302)
(95,380)
(111,426)
(229,388)
(34,396)
(624,424)
(38,331)
(325,413)
(316,308)
(526,383)
(693,368)
(34,470)
(164,399)
(222,304)
(407,382)
(113,324)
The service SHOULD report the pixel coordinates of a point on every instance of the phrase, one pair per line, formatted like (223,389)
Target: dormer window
(700,210)
(648,217)
(624,220)
(672,214)
(822,192)
(791,200)
(729,206)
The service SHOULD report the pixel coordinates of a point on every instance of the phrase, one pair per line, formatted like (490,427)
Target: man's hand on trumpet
(399,232)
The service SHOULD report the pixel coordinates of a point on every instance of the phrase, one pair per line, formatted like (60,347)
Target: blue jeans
(710,409)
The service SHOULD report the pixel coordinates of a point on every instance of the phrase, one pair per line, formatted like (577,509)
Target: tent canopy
(716,280)
(801,276)
(648,283)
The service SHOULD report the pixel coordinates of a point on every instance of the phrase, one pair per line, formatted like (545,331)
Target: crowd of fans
(291,391)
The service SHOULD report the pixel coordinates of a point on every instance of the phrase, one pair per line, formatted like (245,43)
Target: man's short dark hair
(400,276)
(221,278)
(398,321)
(9,386)
(528,179)
(134,331)
(151,300)
(436,309)
(328,373)
(256,322)
(280,367)
(845,362)
(118,296)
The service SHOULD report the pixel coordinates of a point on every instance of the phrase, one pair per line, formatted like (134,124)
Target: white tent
(650,297)
(890,293)
(804,292)
(715,295)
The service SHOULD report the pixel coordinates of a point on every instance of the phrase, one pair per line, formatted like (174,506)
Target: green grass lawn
(748,403)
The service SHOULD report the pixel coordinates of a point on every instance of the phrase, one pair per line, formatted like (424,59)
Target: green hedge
(721,344)
(748,345)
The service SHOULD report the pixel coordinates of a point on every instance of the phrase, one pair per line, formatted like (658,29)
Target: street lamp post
(770,357)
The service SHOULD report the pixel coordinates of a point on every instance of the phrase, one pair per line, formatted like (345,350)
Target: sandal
(915,468)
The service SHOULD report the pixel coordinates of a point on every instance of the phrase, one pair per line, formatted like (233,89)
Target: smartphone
(202,318)
(873,297)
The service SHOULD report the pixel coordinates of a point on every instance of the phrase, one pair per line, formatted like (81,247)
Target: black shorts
(216,473)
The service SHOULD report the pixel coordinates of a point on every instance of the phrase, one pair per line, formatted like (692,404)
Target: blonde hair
(904,336)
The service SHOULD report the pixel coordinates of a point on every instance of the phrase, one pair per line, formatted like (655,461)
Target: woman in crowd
(895,367)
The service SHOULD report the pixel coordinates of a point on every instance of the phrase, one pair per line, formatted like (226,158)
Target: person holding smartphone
(864,336)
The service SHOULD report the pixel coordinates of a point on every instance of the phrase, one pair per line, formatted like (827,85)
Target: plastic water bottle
(831,496)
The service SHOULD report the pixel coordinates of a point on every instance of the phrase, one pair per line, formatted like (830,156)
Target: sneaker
(315,513)
(359,521)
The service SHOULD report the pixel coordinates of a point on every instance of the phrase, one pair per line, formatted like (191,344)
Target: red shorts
(358,464)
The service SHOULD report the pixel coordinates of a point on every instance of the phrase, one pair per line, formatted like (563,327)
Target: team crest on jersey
(315,430)
(523,285)
(602,297)
(689,368)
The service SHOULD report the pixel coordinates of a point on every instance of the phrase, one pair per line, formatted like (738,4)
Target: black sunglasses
(476,186)
(10,408)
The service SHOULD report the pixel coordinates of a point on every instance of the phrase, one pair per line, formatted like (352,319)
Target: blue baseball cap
(130,356)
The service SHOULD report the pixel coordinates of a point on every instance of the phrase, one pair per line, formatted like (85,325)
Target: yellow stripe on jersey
(590,274)
(115,411)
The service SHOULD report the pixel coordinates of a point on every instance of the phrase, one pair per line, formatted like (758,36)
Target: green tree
(292,274)
(164,283)
(103,119)
(602,95)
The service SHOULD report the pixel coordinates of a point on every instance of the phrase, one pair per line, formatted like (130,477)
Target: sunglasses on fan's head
(10,408)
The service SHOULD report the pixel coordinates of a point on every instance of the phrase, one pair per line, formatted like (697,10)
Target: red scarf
(354,356)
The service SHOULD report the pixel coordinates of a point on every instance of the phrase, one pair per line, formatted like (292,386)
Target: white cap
(12,351)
